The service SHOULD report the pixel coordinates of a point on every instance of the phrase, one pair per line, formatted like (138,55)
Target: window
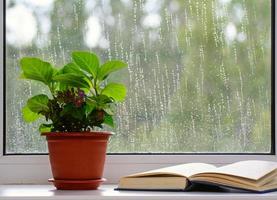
(200,73)
(151,30)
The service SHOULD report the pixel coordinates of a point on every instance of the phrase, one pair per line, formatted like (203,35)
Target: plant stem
(51,88)
(95,86)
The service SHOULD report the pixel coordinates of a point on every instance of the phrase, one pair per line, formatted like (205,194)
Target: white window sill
(48,192)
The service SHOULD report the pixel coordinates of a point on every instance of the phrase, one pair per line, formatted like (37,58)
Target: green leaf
(67,109)
(56,71)
(109,67)
(89,107)
(108,110)
(38,103)
(102,99)
(116,91)
(72,80)
(73,69)
(108,119)
(87,61)
(45,128)
(71,111)
(28,115)
(36,69)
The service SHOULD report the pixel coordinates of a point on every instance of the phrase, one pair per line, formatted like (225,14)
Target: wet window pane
(199,73)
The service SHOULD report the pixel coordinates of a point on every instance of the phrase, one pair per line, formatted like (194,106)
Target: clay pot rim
(78,134)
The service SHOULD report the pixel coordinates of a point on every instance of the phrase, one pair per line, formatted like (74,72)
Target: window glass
(199,74)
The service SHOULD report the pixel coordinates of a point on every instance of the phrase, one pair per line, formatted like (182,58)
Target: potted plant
(80,99)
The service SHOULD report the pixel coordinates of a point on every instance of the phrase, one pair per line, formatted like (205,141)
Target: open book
(252,175)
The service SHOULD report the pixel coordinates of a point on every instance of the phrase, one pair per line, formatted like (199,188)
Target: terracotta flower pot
(77,159)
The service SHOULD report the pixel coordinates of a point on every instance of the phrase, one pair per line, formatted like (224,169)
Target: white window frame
(36,168)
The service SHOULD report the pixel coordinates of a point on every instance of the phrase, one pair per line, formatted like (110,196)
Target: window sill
(48,192)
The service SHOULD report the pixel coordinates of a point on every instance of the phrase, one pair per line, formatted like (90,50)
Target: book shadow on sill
(196,187)
(201,187)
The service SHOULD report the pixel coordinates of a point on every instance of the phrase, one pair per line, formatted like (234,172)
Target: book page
(251,169)
(184,170)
